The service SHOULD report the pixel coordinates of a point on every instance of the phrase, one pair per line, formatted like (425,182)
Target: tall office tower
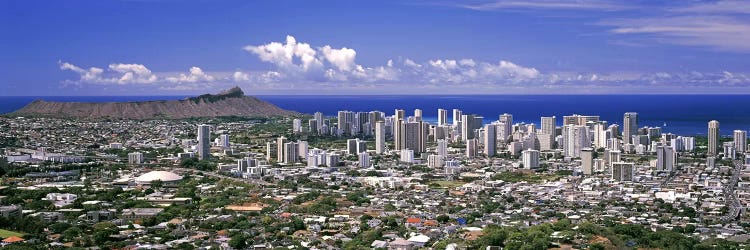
(468,125)
(280,148)
(364,160)
(629,126)
(587,161)
(665,158)
(442,117)
(313,125)
(302,148)
(380,137)
(442,148)
(398,120)
(729,150)
(290,152)
(622,171)
(740,141)
(490,140)
(508,128)
(530,159)
(577,119)
(411,136)
(456,116)
(713,137)
(575,138)
(688,143)
(204,142)
(614,130)
(297,126)
(361,146)
(548,126)
(345,122)
(653,132)
(224,141)
(318,120)
(351,146)
(471,148)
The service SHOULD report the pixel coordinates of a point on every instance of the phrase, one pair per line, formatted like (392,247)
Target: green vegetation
(528,177)
(446,184)
(6,233)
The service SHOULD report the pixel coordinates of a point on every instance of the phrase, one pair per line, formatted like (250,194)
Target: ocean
(678,114)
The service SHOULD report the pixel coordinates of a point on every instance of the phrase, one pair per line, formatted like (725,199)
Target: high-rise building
(442,118)
(587,161)
(665,158)
(380,137)
(713,137)
(412,136)
(418,114)
(506,121)
(575,138)
(581,120)
(297,126)
(530,159)
(345,122)
(442,148)
(456,116)
(313,125)
(622,171)
(469,123)
(629,126)
(398,120)
(549,126)
(290,152)
(490,140)
(204,142)
(740,141)
(318,121)
(280,148)
(471,148)
(407,155)
(224,141)
(364,160)
(434,161)
(135,158)
(729,151)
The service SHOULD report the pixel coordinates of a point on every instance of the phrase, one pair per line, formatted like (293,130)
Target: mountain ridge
(230,102)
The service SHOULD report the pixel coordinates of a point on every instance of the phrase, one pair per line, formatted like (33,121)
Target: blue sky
(170,47)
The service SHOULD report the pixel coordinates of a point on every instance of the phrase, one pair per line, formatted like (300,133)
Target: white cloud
(196,75)
(283,55)
(342,58)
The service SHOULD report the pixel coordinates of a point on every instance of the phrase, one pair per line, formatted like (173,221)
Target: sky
(171,47)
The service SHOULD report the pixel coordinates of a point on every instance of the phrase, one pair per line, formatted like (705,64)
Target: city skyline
(502,47)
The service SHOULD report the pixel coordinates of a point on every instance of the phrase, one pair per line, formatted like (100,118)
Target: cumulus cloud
(130,73)
(196,75)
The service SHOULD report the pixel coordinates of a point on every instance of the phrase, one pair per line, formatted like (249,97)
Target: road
(735,208)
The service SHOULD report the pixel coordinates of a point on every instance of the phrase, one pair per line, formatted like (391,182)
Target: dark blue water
(683,114)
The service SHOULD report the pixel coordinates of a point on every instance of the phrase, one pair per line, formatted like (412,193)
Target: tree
(442,218)
(238,241)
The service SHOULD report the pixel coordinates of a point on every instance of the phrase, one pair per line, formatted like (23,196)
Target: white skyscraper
(506,121)
(204,142)
(224,140)
(490,140)
(418,114)
(713,137)
(575,138)
(548,126)
(297,126)
(442,118)
(740,141)
(442,148)
(456,116)
(629,126)
(530,159)
(380,137)
(280,148)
